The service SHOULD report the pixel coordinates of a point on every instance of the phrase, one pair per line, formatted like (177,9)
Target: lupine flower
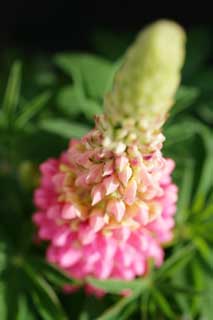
(107,205)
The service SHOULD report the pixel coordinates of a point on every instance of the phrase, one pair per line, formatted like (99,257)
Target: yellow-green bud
(145,85)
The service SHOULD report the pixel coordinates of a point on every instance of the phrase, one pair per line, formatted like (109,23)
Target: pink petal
(111,184)
(130,192)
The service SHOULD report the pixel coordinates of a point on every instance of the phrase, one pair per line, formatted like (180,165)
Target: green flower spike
(144,87)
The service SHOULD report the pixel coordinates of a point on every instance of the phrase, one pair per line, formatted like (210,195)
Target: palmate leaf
(72,101)
(93,74)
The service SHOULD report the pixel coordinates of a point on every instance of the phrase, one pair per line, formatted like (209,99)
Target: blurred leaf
(198,48)
(3,305)
(114,312)
(72,101)
(185,190)
(52,273)
(181,131)
(24,312)
(31,108)
(93,73)
(203,248)
(111,44)
(205,111)
(206,180)
(163,304)
(176,261)
(44,297)
(204,80)
(117,286)
(185,97)
(13,90)
(64,128)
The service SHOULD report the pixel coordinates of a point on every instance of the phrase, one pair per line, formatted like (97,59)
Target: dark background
(62,25)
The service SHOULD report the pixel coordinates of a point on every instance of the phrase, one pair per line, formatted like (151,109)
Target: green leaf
(205,181)
(24,312)
(179,132)
(163,304)
(44,297)
(204,81)
(205,111)
(72,101)
(93,73)
(185,97)
(198,48)
(176,261)
(52,273)
(117,286)
(114,312)
(3,304)
(206,303)
(203,249)
(64,128)
(185,190)
(12,92)
(31,108)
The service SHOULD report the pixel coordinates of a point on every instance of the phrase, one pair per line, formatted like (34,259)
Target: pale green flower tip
(148,79)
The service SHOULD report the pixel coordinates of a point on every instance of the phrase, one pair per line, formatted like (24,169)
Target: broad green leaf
(44,297)
(185,97)
(163,304)
(64,128)
(31,108)
(12,92)
(72,101)
(93,73)
(117,286)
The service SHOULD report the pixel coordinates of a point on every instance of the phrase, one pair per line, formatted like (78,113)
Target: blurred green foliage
(47,100)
